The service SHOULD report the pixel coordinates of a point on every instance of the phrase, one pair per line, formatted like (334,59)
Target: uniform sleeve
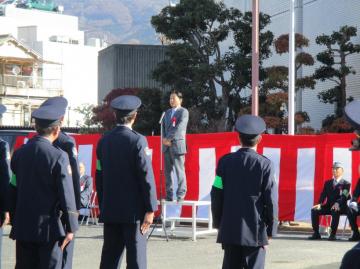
(180,126)
(62,172)
(217,195)
(73,158)
(99,173)
(322,195)
(146,175)
(356,193)
(4,175)
(269,198)
(344,195)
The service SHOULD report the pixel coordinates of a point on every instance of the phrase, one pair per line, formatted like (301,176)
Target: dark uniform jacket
(125,179)
(242,198)
(4,177)
(41,190)
(174,128)
(67,144)
(86,187)
(332,194)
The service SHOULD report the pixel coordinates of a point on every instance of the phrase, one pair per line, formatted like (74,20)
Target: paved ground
(288,250)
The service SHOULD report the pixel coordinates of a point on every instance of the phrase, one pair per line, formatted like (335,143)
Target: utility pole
(255,59)
(292,54)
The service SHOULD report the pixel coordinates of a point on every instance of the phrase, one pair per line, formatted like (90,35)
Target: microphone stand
(161,218)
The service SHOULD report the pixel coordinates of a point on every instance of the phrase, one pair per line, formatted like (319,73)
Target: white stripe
(235,148)
(344,156)
(85,156)
(305,183)
(274,155)
(207,164)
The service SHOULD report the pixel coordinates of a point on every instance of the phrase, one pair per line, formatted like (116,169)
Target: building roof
(33,54)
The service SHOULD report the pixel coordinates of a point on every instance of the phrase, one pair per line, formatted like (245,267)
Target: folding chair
(90,211)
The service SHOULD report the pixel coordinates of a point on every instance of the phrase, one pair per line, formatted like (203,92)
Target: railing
(29,86)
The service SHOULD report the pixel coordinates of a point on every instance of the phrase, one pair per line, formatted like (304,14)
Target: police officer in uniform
(242,199)
(67,144)
(126,188)
(351,259)
(4,181)
(353,212)
(41,190)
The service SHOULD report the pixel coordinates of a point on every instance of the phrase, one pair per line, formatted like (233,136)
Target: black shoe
(355,237)
(315,236)
(332,237)
(169,199)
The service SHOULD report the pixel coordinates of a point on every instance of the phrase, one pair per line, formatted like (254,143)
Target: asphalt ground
(290,249)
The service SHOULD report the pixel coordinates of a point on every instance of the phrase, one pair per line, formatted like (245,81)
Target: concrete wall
(128,66)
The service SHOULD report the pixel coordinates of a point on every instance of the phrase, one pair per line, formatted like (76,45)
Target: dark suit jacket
(43,187)
(174,128)
(124,179)
(335,194)
(243,208)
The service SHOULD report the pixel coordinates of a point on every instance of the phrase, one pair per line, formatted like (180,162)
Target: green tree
(86,110)
(334,67)
(147,122)
(277,79)
(198,59)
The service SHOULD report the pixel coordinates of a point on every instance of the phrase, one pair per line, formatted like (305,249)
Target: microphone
(162,117)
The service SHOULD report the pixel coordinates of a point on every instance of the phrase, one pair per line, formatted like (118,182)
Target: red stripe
(287,182)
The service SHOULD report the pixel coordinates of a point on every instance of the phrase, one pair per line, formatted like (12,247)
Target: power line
(288,10)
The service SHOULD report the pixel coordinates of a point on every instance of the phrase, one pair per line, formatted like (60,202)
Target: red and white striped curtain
(302,164)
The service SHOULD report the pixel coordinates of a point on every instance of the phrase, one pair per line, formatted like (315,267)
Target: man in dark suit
(351,259)
(174,141)
(86,186)
(4,182)
(242,199)
(126,188)
(41,190)
(332,201)
(68,145)
(353,212)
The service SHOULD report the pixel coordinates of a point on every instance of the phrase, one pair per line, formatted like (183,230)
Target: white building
(313,18)
(56,37)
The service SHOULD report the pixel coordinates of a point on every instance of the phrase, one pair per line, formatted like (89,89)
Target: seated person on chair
(353,212)
(333,198)
(86,187)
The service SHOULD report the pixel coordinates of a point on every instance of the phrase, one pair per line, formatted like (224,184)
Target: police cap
(352,114)
(48,115)
(2,109)
(250,125)
(126,104)
(57,101)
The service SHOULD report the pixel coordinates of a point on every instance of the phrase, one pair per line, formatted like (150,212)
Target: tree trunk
(342,98)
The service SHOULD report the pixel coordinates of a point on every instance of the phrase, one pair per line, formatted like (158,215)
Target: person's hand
(317,207)
(148,220)
(6,220)
(335,207)
(67,239)
(353,205)
(167,142)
